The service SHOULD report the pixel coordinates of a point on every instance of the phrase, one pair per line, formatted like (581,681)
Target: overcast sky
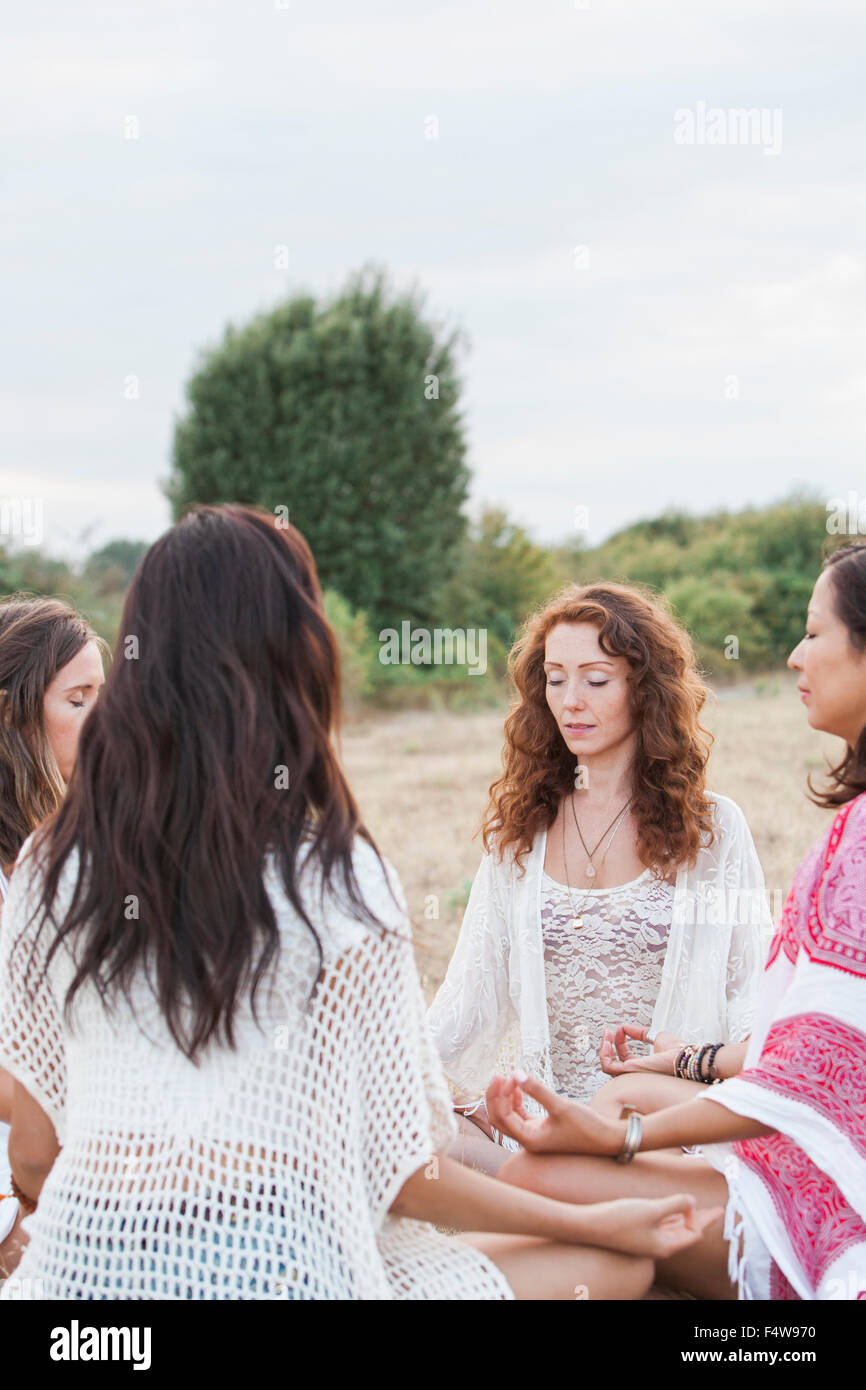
(650,323)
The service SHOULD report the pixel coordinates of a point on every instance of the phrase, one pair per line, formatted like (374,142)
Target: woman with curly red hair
(613,884)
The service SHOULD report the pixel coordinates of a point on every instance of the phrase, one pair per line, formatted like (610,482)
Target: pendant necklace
(590,868)
(577,919)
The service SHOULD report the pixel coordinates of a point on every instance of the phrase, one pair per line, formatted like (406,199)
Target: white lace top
(491,1012)
(266,1172)
(606,972)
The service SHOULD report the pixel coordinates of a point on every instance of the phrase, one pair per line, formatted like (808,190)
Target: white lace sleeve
(473,1010)
(751,923)
(32,1044)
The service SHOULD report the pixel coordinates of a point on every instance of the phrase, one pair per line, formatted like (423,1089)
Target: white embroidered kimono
(490,1014)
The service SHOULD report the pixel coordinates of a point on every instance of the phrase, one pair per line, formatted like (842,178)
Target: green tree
(746,574)
(347,413)
(358,651)
(501,576)
(112,567)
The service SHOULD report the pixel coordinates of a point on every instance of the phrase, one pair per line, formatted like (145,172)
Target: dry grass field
(421,779)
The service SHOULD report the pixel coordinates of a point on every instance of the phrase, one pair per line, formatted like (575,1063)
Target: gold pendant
(577,923)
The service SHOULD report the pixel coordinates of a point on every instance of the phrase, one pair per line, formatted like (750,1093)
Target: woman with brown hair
(50,675)
(208,992)
(613,884)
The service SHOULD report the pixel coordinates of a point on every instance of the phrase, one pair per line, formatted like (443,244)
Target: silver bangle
(633,1136)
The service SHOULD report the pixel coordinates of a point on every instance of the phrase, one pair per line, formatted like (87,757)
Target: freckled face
(67,702)
(587,690)
(832,671)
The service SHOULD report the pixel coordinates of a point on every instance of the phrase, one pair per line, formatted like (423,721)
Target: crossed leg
(543,1269)
(702,1269)
(540,1270)
(645,1092)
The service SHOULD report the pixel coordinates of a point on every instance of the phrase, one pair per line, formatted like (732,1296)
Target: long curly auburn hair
(670,806)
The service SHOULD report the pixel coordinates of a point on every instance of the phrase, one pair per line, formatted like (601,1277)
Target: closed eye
(594,684)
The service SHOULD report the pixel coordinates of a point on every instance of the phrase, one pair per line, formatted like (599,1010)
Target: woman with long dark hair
(613,883)
(786,1138)
(207,988)
(50,675)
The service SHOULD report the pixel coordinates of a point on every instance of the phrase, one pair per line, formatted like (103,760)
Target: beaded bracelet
(683,1060)
(699,1062)
(689,1065)
(710,1076)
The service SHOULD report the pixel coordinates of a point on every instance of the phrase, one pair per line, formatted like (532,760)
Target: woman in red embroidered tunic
(789,1132)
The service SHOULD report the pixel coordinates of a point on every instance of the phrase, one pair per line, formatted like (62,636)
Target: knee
(637,1277)
(618,1085)
(623,1278)
(631,1089)
(618,1088)
(612,1276)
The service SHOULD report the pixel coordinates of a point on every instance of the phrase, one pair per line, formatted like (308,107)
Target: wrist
(586,1225)
(615,1137)
(728,1063)
(663,1129)
(590,1133)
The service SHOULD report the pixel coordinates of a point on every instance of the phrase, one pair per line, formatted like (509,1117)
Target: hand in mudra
(567,1127)
(654,1226)
(617,1059)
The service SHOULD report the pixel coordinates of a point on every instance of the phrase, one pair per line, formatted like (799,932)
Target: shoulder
(841,875)
(732,849)
(378,886)
(853,813)
(842,847)
(26,932)
(26,879)
(728,818)
(506,862)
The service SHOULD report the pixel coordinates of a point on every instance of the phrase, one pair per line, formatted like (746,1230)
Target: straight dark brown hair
(847,567)
(210,746)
